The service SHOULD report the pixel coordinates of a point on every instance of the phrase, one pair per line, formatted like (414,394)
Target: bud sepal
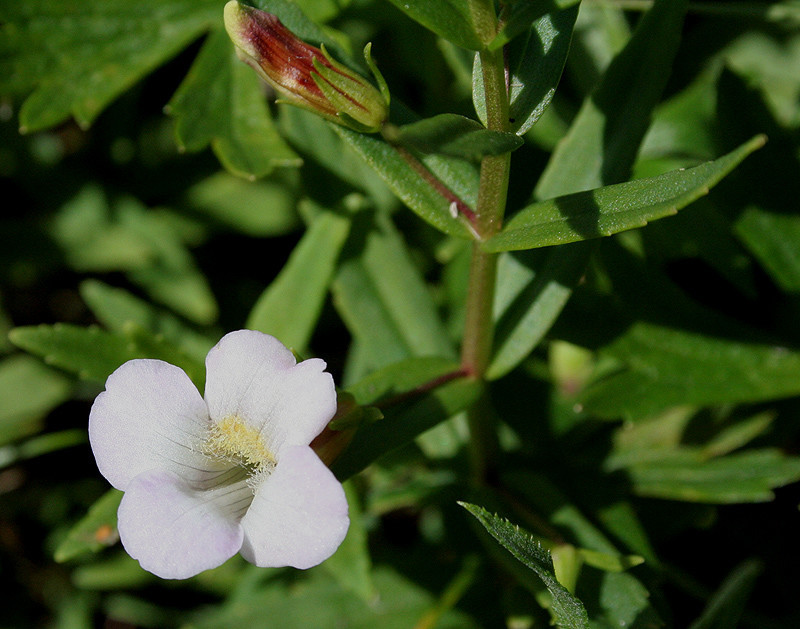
(306,76)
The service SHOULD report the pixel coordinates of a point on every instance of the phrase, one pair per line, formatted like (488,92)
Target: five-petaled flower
(207,478)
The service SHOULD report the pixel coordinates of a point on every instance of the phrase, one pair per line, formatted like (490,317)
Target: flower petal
(176,531)
(299,514)
(252,375)
(150,416)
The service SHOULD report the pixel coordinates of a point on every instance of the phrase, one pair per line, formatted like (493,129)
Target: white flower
(207,478)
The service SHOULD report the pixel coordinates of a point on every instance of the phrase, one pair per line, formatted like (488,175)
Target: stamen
(232,440)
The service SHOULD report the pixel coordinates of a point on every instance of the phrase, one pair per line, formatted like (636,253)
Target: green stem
(479,328)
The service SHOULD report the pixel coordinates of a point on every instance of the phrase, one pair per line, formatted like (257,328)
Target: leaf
(351,564)
(321,11)
(614,208)
(774,239)
(316,600)
(456,136)
(604,138)
(609,562)
(93,354)
(530,295)
(262,208)
(95,531)
(521,13)
(450,19)
(289,308)
(117,309)
(172,277)
(567,610)
(417,193)
(410,404)
(319,141)
(29,391)
(382,297)
(536,62)
(685,474)
(92,237)
(77,57)
(40,445)
(622,601)
(221,103)
(659,367)
(725,607)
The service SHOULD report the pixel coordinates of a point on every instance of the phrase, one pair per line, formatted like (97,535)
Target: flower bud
(304,75)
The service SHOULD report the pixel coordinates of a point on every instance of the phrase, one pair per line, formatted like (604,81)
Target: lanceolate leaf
(413,395)
(29,391)
(615,208)
(93,354)
(77,57)
(382,297)
(451,19)
(536,61)
(532,290)
(567,610)
(288,309)
(519,15)
(661,367)
(457,136)
(683,474)
(221,103)
(117,309)
(603,141)
(417,193)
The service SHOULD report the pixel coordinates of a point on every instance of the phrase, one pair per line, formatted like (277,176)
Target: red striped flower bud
(304,75)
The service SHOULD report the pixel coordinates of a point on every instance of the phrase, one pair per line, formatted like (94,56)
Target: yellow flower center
(233,440)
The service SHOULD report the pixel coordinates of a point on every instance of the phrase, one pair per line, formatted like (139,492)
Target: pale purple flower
(207,478)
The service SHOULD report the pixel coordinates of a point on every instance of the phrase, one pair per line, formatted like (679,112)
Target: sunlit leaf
(614,208)
(414,190)
(290,306)
(76,57)
(221,103)
(451,19)
(567,610)
(604,138)
(93,354)
(456,136)
(536,61)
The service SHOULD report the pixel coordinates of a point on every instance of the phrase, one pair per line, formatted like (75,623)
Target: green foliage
(612,209)
(453,20)
(289,308)
(567,610)
(536,61)
(456,136)
(624,387)
(93,354)
(78,57)
(220,103)
(95,531)
(414,191)
(30,390)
